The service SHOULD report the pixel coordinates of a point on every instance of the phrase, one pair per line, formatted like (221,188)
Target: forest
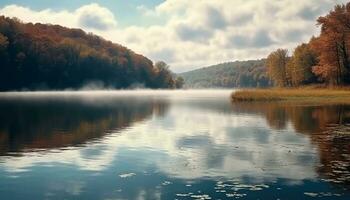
(325,59)
(251,73)
(52,57)
(44,57)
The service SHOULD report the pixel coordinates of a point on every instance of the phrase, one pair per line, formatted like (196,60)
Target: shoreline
(312,95)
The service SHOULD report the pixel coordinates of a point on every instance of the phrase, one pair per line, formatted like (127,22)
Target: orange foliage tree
(332,46)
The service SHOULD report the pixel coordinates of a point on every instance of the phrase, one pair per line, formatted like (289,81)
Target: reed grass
(310,94)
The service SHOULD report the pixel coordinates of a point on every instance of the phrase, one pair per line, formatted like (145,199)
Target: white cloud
(197,33)
(64,18)
(90,16)
(95,16)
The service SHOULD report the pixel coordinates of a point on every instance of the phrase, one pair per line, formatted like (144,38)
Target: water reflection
(167,145)
(51,122)
(328,127)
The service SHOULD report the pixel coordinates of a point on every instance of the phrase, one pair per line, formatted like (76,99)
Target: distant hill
(43,57)
(251,73)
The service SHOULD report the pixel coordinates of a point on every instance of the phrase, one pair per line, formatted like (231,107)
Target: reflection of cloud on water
(221,145)
(196,143)
(72,156)
(74,188)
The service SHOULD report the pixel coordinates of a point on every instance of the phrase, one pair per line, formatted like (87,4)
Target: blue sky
(187,34)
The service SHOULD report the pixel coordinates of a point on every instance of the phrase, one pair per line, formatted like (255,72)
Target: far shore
(312,95)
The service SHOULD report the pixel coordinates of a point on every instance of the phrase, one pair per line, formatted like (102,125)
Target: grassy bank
(340,95)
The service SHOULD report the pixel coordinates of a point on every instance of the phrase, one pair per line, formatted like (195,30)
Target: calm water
(170,145)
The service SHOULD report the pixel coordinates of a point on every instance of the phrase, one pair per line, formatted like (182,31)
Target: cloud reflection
(189,142)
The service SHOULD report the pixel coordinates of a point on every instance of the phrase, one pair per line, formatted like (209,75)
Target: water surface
(170,145)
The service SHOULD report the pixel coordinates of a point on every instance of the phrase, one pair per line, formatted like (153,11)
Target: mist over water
(169,144)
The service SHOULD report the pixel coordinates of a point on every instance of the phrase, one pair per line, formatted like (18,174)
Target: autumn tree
(332,46)
(299,67)
(3,48)
(3,42)
(42,56)
(276,67)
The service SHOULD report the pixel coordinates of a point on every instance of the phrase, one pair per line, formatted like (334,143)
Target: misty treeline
(43,56)
(251,73)
(324,59)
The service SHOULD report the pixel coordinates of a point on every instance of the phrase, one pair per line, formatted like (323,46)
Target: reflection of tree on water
(328,126)
(48,123)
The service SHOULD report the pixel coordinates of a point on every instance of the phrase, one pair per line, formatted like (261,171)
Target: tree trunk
(337,78)
(345,61)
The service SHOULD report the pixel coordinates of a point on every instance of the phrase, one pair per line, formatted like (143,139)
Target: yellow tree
(276,67)
(300,65)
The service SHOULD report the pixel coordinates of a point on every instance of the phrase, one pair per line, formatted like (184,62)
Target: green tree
(179,82)
(164,77)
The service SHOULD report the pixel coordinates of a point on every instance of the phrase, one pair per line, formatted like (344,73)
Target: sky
(186,34)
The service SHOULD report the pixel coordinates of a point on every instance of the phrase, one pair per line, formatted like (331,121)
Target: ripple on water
(322,194)
(165,183)
(127,175)
(200,196)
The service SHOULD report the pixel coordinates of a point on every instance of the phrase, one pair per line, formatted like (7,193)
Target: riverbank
(339,95)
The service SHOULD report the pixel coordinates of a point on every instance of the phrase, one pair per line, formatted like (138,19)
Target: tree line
(250,73)
(44,56)
(324,59)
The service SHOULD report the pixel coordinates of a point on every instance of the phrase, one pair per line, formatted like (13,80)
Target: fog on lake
(186,144)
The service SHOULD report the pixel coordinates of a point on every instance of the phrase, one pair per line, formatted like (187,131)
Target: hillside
(42,56)
(250,73)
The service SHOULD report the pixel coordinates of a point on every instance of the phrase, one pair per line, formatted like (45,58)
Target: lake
(170,145)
